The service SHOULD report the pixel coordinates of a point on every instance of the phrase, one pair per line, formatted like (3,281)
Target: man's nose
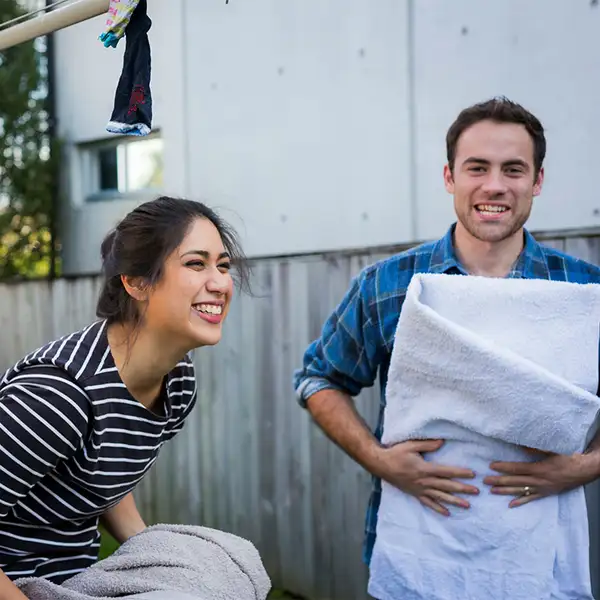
(494,183)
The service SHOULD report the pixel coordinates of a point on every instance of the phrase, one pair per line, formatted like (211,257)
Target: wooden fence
(249,460)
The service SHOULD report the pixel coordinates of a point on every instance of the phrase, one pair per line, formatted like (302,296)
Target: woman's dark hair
(499,110)
(140,244)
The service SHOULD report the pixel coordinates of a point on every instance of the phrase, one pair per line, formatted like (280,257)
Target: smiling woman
(169,264)
(84,417)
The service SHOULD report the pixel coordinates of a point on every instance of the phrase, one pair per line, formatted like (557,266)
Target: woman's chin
(207,338)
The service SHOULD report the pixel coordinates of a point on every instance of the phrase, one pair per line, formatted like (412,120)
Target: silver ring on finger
(527,491)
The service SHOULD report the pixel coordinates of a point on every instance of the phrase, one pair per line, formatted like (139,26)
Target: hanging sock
(119,15)
(132,113)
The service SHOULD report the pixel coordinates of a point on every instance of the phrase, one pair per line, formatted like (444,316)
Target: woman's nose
(218,283)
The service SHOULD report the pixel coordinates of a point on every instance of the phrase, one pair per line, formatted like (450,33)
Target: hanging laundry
(132,112)
(119,15)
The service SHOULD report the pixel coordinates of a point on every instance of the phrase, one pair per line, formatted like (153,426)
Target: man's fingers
(523,500)
(438,508)
(510,491)
(449,472)
(516,468)
(512,481)
(448,485)
(446,498)
(536,452)
(424,445)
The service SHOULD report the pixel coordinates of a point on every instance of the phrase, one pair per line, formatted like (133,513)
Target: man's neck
(487,259)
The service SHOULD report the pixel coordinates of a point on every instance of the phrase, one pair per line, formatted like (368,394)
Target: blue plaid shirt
(356,341)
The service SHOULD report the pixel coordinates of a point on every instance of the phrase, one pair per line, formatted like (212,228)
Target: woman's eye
(200,264)
(195,263)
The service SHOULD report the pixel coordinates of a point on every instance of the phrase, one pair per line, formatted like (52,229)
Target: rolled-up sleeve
(344,357)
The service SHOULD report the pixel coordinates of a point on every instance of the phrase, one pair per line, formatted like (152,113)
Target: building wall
(296,118)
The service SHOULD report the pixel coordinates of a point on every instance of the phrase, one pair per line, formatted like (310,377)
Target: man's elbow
(307,386)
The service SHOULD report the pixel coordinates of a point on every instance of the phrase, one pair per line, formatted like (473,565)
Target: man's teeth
(490,208)
(211,309)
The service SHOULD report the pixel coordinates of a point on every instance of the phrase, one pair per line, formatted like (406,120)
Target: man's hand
(553,474)
(401,465)
(404,467)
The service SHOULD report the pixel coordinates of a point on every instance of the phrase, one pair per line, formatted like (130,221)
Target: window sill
(116,196)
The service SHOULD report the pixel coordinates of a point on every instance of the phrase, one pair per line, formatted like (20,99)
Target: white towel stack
(490,365)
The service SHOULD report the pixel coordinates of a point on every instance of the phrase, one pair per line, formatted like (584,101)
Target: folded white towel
(490,365)
(166,562)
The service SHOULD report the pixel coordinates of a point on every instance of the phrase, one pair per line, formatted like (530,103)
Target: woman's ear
(136,287)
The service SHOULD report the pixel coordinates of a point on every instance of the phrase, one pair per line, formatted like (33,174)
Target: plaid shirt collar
(530,261)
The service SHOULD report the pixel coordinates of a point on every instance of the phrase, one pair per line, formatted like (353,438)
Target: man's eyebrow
(519,162)
(475,159)
(507,163)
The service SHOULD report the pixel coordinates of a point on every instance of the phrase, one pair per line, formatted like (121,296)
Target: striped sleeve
(43,420)
(186,394)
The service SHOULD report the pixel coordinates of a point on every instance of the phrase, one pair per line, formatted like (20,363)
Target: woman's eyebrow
(205,254)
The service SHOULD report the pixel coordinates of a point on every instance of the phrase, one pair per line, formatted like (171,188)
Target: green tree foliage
(26,164)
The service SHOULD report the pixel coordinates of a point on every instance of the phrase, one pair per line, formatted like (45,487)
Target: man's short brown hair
(499,110)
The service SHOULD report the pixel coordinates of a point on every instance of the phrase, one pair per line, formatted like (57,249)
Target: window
(108,169)
(122,166)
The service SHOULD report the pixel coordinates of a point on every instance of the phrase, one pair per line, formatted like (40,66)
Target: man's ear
(136,287)
(537,186)
(448,179)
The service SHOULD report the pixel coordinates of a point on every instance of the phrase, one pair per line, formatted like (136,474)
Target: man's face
(493,182)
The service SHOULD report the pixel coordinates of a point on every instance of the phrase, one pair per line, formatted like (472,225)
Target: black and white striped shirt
(73,443)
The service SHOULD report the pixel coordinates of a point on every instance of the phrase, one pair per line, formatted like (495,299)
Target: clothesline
(32,13)
(132,111)
(51,21)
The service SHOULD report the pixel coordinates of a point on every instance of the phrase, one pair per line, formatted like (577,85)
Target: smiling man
(494,170)
(495,153)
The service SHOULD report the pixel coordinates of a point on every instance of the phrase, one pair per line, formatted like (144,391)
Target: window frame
(89,153)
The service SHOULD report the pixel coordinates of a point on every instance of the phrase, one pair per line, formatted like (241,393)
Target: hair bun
(107,252)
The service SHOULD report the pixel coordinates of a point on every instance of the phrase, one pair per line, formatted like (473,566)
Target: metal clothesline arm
(52,21)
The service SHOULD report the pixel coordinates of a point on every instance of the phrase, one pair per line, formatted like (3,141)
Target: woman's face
(191,300)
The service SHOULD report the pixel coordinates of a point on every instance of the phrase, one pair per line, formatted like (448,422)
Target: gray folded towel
(166,562)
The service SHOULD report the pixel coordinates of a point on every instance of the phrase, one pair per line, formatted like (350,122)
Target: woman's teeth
(211,309)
